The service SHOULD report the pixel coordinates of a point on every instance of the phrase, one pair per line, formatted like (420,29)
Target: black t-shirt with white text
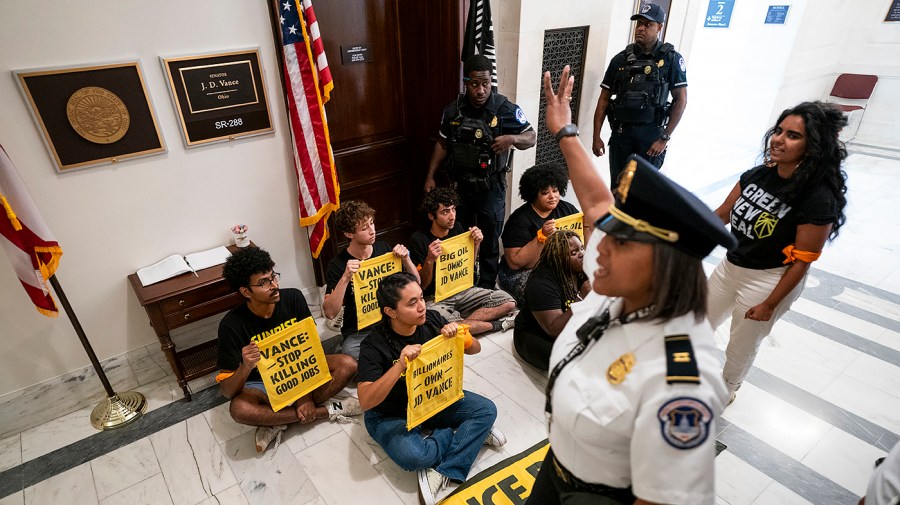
(764,224)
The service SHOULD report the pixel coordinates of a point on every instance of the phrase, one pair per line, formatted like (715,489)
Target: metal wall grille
(566,46)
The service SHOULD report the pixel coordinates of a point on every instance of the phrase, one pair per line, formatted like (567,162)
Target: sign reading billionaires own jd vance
(434,378)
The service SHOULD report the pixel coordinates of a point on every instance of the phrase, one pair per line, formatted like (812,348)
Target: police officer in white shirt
(635,385)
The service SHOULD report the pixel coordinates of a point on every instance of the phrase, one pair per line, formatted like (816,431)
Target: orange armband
(792,254)
(463,331)
(541,237)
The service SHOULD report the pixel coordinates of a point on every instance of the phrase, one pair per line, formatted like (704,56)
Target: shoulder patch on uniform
(681,365)
(684,422)
(681,64)
(520,116)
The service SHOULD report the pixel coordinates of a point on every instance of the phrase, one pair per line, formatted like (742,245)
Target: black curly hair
(433,200)
(825,153)
(540,177)
(245,263)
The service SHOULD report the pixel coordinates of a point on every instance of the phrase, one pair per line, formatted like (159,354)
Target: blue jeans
(458,432)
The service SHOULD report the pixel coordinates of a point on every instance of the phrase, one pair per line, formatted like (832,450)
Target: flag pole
(116,410)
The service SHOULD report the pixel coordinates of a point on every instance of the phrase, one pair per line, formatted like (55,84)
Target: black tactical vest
(472,161)
(640,90)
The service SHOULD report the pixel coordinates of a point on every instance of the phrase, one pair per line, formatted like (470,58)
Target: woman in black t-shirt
(529,226)
(457,432)
(555,284)
(782,213)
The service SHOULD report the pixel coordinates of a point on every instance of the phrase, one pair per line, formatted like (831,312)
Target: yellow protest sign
(575,222)
(365,282)
(434,378)
(454,270)
(292,363)
(509,482)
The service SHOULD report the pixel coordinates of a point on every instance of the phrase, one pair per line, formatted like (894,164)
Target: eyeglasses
(266,282)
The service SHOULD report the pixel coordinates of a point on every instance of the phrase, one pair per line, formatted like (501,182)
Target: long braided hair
(555,258)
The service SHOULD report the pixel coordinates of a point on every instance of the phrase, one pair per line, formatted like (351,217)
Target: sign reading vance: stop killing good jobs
(365,283)
(292,363)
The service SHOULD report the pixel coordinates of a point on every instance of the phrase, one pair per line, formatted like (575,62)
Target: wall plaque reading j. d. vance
(219,96)
(92,115)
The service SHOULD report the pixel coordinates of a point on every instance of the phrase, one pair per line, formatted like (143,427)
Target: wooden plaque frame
(122,121)
(219,96)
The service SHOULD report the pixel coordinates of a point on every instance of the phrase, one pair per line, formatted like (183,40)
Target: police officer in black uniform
(478,129)
(635,95)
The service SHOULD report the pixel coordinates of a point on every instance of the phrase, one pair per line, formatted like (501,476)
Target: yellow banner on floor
(366,281)
(506,483)
(575,222)
(434,379)
(292,363)
(454,270)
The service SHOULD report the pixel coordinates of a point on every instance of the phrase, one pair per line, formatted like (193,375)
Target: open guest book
(177,264)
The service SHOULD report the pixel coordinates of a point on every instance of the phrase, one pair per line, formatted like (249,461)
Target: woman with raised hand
(632,414)
(781,213)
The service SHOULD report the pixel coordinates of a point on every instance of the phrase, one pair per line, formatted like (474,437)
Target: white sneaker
(265,435)
(507,323)
(495,438)
(336,323)
(342,409)
(431,483)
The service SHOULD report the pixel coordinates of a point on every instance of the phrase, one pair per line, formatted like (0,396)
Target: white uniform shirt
(657,437)
(884,486)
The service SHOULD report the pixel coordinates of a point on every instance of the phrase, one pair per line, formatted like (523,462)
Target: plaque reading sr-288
(219,96)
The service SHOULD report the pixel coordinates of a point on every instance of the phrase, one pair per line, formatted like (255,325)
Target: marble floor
(821,404)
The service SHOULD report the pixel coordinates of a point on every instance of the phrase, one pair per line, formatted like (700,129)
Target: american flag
(479,38)
(27,240)
(308,86)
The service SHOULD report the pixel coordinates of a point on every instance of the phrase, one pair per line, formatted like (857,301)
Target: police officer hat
(651,12)
(649,207)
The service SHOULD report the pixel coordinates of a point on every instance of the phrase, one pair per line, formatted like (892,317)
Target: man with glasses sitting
(478,130)
(268,309)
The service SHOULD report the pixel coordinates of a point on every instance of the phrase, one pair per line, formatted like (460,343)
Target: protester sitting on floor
(267,308)
(530,225)
(484,310)
(555,284)
(445,455)
(356,221)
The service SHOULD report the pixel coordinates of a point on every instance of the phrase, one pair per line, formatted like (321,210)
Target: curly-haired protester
(445,455)
(556,282)
(529,226)
(268,308)
(482,309)
(356,221)
(781,212)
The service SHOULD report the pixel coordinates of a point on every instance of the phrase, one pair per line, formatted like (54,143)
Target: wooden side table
(182,300)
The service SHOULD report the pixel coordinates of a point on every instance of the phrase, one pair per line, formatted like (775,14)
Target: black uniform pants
(550,489)
(486,210)
(628,139)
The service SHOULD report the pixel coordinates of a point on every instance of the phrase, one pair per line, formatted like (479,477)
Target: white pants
(733,290)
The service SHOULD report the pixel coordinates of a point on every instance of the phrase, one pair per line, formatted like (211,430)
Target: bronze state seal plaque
(98,115)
